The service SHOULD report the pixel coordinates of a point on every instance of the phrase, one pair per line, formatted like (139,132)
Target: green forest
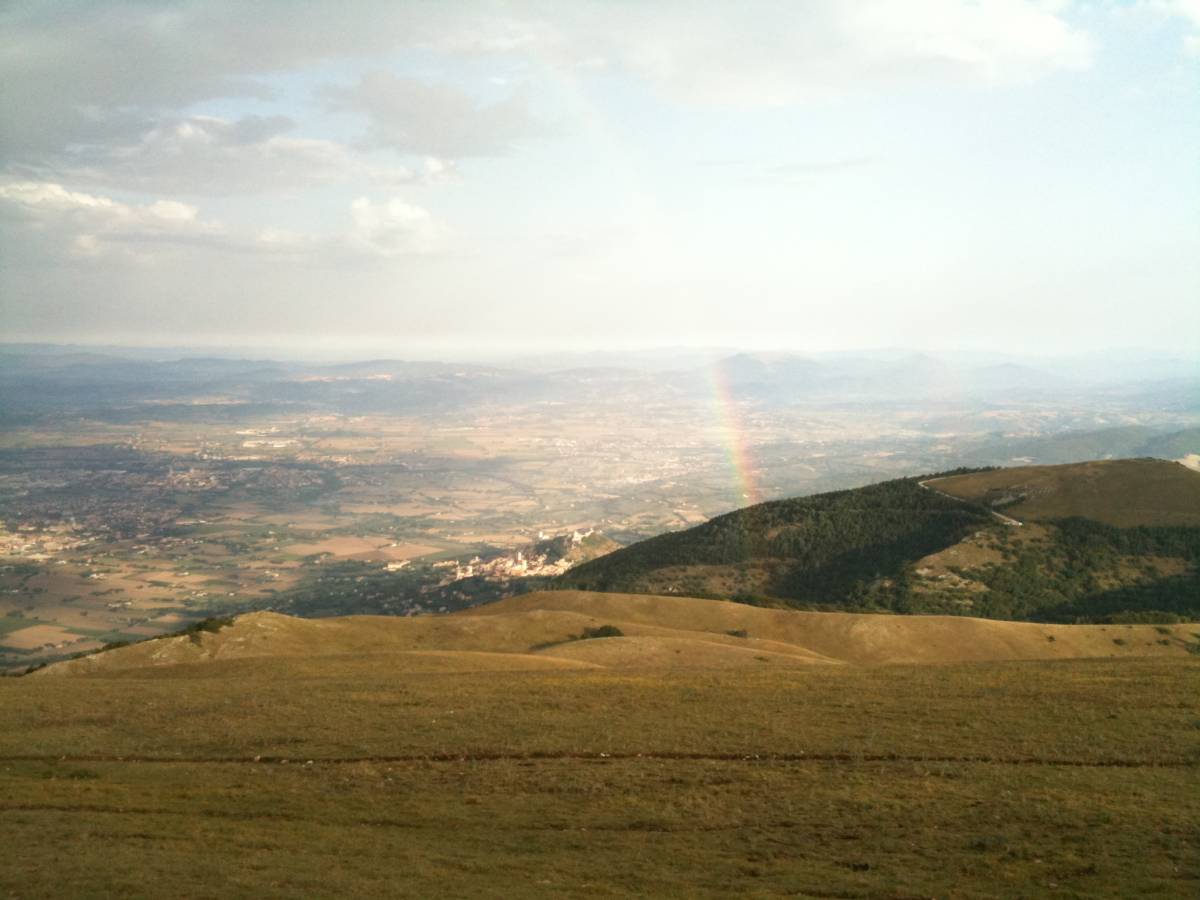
(1069,577)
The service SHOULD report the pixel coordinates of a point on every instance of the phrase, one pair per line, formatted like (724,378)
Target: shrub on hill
(601,631)
(212,624)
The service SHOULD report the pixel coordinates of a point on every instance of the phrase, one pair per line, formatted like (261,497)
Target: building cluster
(518,565)
(545,559)
(28,542)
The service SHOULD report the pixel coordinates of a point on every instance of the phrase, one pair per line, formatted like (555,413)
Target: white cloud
(393,228)
(771,52)
(49,220)
(90,225)
(87,226)
(214,156)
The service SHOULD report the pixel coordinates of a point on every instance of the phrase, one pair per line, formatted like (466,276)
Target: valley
(139,496)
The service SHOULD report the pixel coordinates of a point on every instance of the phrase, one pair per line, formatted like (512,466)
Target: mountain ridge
(1107,539)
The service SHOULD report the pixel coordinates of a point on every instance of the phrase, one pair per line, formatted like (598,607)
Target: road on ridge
(1007,520)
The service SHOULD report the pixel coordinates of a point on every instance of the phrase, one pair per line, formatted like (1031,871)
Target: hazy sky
(807,174)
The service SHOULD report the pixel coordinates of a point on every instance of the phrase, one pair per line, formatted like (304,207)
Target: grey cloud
(105,71)
(77,72)
(252,129)
(411,116)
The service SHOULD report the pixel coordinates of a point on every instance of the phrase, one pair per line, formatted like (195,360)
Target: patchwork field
(37,636)
(364,548)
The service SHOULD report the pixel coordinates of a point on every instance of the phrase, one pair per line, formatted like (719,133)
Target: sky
(429,177)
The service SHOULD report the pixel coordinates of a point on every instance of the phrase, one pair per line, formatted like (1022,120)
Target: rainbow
(729,420)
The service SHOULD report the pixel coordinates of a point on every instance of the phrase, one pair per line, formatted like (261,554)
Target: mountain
(782,377)
(1090,542)
(1121,441)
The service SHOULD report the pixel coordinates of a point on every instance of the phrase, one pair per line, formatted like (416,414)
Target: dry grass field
(1124,492)
(37,636)
(655,632)
(461,756)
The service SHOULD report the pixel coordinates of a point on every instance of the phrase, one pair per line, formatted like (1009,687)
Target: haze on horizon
(1015,175)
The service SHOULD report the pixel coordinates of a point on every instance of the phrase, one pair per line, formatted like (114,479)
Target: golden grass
(1053,779)
(666,632)
(1124,492)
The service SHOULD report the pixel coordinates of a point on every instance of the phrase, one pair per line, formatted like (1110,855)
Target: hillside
(1101,541)
(455,755)
(1123,493)
(807,550)
(547,630)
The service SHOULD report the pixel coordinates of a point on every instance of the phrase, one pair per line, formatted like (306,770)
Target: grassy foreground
(351,776)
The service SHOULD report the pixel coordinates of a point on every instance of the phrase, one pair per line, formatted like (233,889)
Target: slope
(1124,493)
(809,550)
(1106,541)
(545,631)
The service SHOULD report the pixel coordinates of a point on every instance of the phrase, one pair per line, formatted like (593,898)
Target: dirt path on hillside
(1007,520)
(615,756)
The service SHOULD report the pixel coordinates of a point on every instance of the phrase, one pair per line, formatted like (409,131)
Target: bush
(1143,617)
(212,624)
(601,631)
(738,633)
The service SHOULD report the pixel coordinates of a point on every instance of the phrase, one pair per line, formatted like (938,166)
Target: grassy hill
(713,749)
(1101,541)
(1123,493)
(546,630)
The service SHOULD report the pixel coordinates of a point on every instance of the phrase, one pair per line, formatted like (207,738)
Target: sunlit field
(350,775)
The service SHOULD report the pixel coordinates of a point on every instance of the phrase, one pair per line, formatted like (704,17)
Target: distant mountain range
(44,380)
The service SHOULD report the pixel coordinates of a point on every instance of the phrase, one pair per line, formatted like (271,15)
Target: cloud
(773,53)
(209,155)
(48,220)
(88,225)
(103,73)
(1187,11)
(411,116)
(393,228)
(97,71)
